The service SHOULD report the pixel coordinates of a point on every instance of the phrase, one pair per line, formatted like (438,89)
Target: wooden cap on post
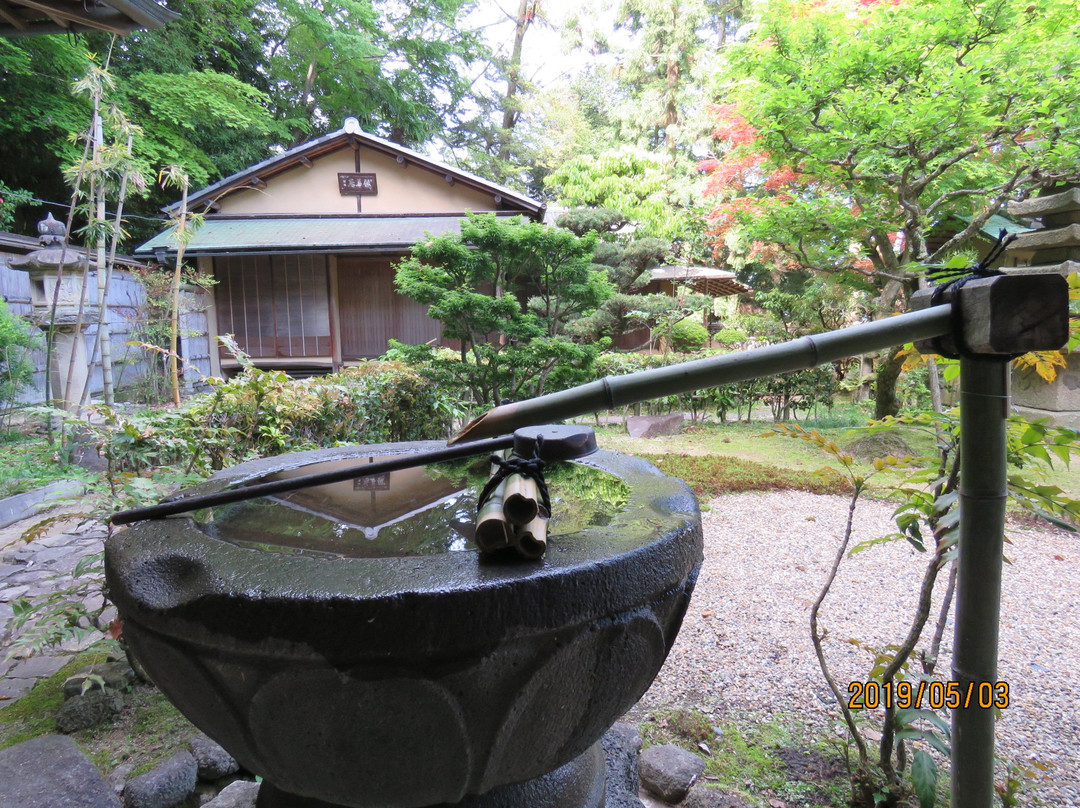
(560,442)
(1002,315)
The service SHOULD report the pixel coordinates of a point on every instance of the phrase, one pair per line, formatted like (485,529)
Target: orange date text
(935,695)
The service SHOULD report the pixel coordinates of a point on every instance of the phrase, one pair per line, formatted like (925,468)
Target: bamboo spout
(615,391)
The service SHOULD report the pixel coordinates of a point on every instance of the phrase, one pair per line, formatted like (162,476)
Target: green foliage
(17,339)
(62,615)
(514,343)
(218,89)
(182,116)
(988,108)
(687,336)
(397,67)
(927,518)
(630,180)
(913,391)
(729,337)
(787,394)
(853,124)
(260,413)
(10,200)
(29,461)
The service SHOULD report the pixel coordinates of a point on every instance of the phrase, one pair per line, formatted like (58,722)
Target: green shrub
(730,336)
(260,413)
(687,336)
(17,339)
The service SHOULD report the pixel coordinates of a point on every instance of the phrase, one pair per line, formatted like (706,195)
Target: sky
(547,59)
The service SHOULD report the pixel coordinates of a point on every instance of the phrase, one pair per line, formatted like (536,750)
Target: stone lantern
(1053,247)
(56,270)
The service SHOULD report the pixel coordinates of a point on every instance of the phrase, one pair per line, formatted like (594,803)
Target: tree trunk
(888,373)
(933,381)
(524,18)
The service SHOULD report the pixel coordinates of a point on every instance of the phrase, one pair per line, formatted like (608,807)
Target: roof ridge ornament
(351,126)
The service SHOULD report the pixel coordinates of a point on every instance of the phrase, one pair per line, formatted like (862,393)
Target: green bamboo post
(984,408)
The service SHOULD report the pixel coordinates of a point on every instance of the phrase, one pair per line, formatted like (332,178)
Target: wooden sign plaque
(357,184)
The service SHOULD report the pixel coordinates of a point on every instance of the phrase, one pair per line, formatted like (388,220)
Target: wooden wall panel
(372,312)
(275,306)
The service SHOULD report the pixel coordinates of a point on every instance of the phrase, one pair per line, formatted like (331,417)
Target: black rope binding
(531,468)
(955,279)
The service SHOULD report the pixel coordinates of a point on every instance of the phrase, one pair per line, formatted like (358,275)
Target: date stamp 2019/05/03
(936,695)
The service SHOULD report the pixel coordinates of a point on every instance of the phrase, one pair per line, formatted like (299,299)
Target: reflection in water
(415,511)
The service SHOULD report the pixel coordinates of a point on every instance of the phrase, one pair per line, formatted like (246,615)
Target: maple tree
(852,131)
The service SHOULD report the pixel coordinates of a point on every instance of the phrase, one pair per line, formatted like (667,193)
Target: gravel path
(744,649)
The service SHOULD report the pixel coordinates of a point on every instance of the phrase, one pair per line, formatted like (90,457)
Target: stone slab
(212,759)
(1061,395)
(20,506)
(37,667)
(1044,239)
(51,772)
(13,689)
(170,782)
(1065,418)
(654,426)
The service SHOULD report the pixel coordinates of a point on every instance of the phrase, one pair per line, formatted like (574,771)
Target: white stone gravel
(745,650)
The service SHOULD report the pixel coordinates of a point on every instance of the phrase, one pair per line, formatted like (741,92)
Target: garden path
(34,570)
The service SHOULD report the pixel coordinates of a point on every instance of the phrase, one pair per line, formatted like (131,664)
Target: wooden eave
(27,17)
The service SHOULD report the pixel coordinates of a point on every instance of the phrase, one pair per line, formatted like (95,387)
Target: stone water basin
(349,644)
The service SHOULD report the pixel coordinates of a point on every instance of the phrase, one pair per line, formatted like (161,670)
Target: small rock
(51,772)
(622,744)
(211,758)
(669,772)
(119,777)
(117,676)
(88,710)
(171,781)
(654,426)
(704,796)
(238,794)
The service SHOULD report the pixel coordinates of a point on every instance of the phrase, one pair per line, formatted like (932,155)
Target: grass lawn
(738,457)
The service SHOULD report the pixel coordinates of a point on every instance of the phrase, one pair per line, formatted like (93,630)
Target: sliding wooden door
(372,312)
(275,306)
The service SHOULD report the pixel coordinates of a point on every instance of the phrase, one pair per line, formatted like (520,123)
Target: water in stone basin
(416,511)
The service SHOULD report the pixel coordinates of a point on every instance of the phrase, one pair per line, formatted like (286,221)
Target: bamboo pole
(103,336)
(521,503)
(798,354)
(532,538)
(192,503)
(984,408)
(493,532)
